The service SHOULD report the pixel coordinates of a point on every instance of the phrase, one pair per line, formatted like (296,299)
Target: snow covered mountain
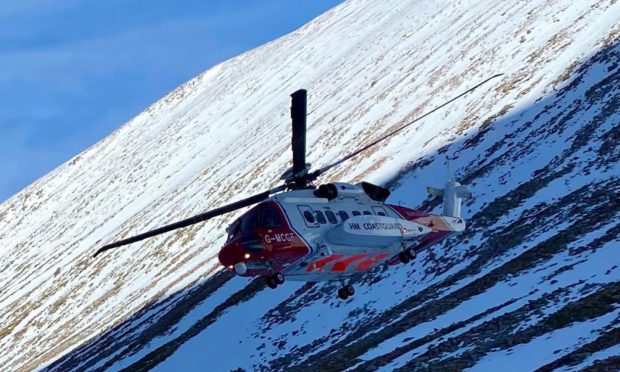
(533,283)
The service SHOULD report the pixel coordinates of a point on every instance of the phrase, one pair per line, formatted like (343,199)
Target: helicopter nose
(232,254)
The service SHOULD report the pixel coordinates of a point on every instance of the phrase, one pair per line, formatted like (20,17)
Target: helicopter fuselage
(329,232)
(311,238)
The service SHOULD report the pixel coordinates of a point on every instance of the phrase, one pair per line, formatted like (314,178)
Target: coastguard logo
(373,226)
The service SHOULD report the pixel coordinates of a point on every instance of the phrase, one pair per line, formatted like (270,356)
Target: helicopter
(300,232)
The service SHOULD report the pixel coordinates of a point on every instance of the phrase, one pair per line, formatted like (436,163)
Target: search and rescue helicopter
(302,232)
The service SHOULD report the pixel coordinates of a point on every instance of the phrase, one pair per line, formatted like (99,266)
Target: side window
(379,211)
(356,213)
(320,217)
(308,215)
(343,215)
(367,213)
(331,217)
(270,218)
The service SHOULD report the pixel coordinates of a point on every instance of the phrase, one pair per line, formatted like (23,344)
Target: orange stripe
(342,265)
(318,265)
(365,265)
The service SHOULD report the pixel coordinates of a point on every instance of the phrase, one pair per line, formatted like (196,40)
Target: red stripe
(365,265)
(342,265)
(318,265)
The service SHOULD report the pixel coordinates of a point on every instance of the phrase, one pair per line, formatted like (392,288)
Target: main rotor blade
(298,142)
(314,175)
(195,219)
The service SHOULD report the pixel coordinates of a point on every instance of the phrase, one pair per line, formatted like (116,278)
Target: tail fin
(453,194)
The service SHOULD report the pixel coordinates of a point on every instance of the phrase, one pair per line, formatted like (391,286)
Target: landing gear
(273,281)
(346,292)
(279,278)
(407,255)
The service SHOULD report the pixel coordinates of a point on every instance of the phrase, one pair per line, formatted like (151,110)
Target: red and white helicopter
(301,232)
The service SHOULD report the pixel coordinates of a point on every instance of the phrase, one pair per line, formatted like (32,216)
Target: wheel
(342,294)
(404,257)
(278,278)
(349,290)
(411,253)
(271,283)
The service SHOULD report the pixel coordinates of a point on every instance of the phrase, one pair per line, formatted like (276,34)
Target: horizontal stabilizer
(463,192)
(434,191)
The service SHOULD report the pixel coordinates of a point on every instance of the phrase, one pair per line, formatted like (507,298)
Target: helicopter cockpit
(263,216)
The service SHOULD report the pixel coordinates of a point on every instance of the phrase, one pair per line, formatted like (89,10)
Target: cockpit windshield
(249,222)
(234,230)
(265,217)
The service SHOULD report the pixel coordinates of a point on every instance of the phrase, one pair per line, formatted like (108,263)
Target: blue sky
(72,71)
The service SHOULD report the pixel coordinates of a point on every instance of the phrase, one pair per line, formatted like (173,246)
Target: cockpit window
(249,222)
(343,215)
(270,218)
(234,230)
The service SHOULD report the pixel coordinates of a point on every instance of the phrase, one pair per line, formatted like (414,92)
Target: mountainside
(533,283)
